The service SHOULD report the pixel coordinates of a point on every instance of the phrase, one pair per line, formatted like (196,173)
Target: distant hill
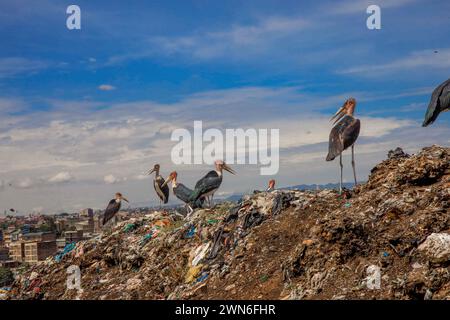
(348,185)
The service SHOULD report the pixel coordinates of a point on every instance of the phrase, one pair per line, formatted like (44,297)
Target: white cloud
(11,105)
(24,183)
(61,177)
(111,179)
(106,146)
(237,40)
(106,87)
(14,66)
(414,61)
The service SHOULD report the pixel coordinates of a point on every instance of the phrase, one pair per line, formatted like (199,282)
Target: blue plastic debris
(202,278)
(67,249)
(191,232)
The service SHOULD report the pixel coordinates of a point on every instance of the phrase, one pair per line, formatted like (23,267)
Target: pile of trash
(387,239)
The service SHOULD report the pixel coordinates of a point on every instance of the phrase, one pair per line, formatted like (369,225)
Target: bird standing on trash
(113,207)
(162,189)
(208,185)
(440,102)
(271,186)
(343,135)
(183,193)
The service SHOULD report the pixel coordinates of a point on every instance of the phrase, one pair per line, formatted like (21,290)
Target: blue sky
(86,112)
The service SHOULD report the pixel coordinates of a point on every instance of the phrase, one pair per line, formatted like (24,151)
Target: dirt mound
(386,239)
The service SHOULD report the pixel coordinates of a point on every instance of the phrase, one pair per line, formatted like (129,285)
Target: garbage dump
(388,238)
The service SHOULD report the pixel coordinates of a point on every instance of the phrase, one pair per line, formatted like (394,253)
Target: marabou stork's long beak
(125,199)
(227,168)
(149,172)
(338,115)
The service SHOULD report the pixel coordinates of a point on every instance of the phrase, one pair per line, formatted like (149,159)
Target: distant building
(60,243)
(11,236)
(61,225)
(39,236)
(33,247)
(4,254)
(17,251)
(73,236)
(9,264)
(25,229)
(88,213)
(39,250)
(97,224)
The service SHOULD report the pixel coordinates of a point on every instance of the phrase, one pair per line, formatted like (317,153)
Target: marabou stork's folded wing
(112,208)
(211,174)
(161,191)
(440,101)
(206,184)
(351,133)
(184,193)
(342,136)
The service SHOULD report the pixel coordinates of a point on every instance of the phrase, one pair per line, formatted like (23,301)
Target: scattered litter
(191,232)
(67,249)
(129,227)
(437,247)
(285,244)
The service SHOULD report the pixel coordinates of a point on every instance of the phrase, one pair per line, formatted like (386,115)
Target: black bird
(183,193)
(162,189)
(208,185)
(440,102)
(113,207)
(344,135)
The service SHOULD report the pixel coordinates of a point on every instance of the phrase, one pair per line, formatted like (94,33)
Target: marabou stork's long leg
(342,169)
(212,202)
(353,164)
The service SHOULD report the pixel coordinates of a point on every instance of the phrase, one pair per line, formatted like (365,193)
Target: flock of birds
(343,135)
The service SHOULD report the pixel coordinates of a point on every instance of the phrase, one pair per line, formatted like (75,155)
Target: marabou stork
(208,185)
(183,193)
(113,207)
(162,189)
(271,186)
(440,102)
(344,135)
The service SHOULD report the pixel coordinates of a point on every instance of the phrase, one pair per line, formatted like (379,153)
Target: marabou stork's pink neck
(174,182)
